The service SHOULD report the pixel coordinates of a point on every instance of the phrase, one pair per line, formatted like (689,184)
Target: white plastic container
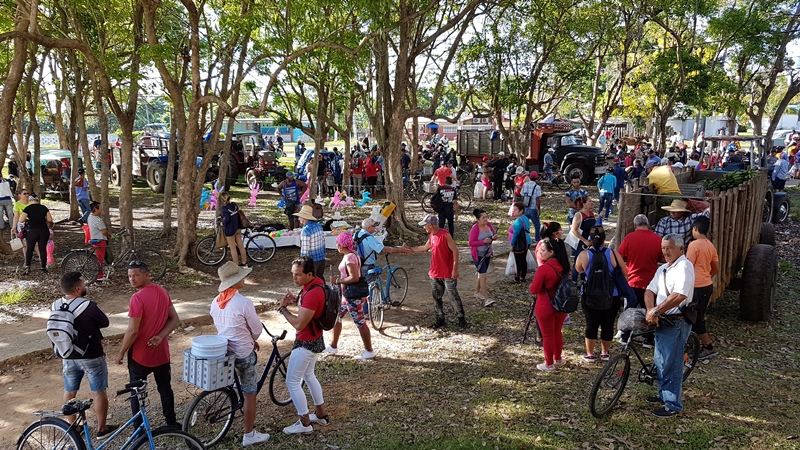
(208,374)
(209,347)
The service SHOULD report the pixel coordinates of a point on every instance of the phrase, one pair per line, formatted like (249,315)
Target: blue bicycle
(54,433)
(383,296)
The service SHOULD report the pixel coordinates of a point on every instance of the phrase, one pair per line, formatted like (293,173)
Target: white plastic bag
(478,191)
(16,244)
(511,266)
(531,262)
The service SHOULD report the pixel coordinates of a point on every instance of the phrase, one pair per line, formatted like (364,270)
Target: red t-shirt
(441,256)
(151,304)
(359,169)
(442,173)
(519,180)
(641,250)
(311,299)
(371,170)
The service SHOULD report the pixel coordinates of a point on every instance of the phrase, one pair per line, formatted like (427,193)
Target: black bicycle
(211,413)
(611,380)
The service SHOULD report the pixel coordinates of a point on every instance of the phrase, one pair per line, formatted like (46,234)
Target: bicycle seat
(75,406)
(375,270)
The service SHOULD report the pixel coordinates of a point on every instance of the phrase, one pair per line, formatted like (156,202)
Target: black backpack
(567,296)
(598,291)
(333,298)
(437,204)
(357,244)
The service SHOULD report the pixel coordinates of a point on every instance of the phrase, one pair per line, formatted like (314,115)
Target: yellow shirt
(19,206)
(663,180)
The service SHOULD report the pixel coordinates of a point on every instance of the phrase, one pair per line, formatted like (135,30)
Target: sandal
(604,356)
(589,357)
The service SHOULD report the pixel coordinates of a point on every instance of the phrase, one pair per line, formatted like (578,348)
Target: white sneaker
(319,420)
(255,438)
(479,296)
(559,362)
(331,350)
(489,302)
(545,368)
(366,354)
(298,428)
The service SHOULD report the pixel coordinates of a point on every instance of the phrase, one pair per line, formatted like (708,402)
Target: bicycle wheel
(50,433)
(82,261)
(278,391)
(156,264)
(559,181)
(169,440)
(398,286)
(208,253)
(260,247)
(376,306)
(464,198)
(425,200)
(691,353)
(609,384)
(210,415)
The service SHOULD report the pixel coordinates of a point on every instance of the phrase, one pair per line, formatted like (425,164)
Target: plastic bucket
(209,347)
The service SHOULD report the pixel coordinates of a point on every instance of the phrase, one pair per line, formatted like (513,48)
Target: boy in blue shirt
(607,184)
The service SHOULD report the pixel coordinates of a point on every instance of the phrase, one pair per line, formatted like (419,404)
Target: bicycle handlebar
(130,387)
(279,338)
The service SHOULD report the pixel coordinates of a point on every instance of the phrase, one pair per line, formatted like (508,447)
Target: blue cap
(289,174)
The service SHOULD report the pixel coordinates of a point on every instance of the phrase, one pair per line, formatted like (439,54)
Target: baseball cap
(368,222)
(502,154)
(485,158)
(650,164)
(429,220)
(289,174)
(551,149)
(534,175)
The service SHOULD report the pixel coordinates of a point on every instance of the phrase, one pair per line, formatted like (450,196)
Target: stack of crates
(208,374)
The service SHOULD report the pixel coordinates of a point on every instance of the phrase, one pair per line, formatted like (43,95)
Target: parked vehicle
(56,170)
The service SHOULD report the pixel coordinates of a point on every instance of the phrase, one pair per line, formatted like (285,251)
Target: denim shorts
(355,306)
(248,375)
(482,264)
(95,370)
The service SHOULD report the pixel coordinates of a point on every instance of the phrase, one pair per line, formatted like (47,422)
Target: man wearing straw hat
(679,220)
(236,320)
(312,239)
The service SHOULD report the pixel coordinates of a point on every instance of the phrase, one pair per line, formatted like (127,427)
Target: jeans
(449,217)
(162,376)
(300,369)
(85,209)
(605,201)
(668,357)
(439,286)
(95,369)
(533,215)
(8,207)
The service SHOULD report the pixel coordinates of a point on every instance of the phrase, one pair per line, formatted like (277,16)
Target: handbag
(243,221)
(521,242)
(16,244)
(571,239)
(23,231)
(221,241)
(359,289)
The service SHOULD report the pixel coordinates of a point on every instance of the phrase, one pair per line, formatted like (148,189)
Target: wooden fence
(735,219)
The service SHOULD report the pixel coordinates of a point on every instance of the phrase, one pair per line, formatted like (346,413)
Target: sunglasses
(136,264)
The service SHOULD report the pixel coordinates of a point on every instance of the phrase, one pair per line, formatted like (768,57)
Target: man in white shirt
(532,197)
(672,287)
(6,203)
(236,319)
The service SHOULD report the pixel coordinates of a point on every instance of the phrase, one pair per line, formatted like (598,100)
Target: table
(330,240)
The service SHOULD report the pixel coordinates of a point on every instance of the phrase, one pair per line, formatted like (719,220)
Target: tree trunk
(166,223)
(14,77)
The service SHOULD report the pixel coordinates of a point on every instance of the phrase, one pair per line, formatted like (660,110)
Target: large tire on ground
(759,279)
(156,175)
(766,215)
(781,208)
(115,177)
(579,169)
(767,235)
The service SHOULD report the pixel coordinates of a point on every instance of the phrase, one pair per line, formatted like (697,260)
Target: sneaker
(298,428)
(545,368)
(331,350)
(568,320)
(604,356)
(366,355)
(589,357)
(707,354)
(25,270)
(255,438)
(559,362)
(489,302)
(654,400)
(325,420)
(462,323)
(245,266)
(440,323)
(479,296)
(110,429)
(538,342)
(102,279)
(664,412)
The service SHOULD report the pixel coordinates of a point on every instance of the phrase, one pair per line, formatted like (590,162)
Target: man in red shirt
(641,251)
(444,269)
(441,174)
(152,319)
(308,345)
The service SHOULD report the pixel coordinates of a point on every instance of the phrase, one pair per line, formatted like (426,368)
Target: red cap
(485,158)
(534,174)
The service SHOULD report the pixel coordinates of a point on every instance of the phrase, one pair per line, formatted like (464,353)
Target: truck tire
(115,175)
(759,279)
(781,205)
(767,235)
(580,169)
(766,216)
(156,175)
(233,173)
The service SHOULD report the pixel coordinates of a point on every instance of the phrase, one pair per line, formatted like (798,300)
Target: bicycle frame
(133,437)
(273,357)
(389,271)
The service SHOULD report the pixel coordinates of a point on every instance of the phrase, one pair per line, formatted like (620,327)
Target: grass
(16,296)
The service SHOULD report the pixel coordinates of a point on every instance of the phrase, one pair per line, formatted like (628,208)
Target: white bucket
(209,347)
(16,244)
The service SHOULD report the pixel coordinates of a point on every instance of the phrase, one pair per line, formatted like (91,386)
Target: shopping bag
(221,241)
(478,191)
(16,244)
(531,262)
(511,266)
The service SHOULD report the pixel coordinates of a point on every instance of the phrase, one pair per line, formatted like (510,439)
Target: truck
(570,157)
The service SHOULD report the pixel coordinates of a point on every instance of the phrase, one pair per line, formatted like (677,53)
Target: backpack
(333,298)
(567,296)
(61,327)
(437,204)
(599,287)
(357,244)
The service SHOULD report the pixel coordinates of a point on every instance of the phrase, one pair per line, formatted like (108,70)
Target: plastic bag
(531,262)
(478,191)
(51,247)
(511,266)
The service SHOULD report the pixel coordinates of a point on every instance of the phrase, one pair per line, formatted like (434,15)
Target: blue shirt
(621,175)
(369,247)
(82,192)
(781,171)
(312,241)
(521,224)
(607,183)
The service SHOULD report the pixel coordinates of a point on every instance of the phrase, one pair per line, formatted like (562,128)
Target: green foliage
(16,295)
(730,180)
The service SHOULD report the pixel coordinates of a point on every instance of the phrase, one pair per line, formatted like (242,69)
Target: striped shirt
(312,241)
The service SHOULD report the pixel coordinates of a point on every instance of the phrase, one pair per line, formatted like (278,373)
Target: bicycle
(558,180)
(211,413)
(463,196)
(611,380)
(85,261)
(380,294)
(53,433)
(260,246)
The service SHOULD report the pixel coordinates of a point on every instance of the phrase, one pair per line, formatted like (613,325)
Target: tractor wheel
(759,279)
(156,175)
